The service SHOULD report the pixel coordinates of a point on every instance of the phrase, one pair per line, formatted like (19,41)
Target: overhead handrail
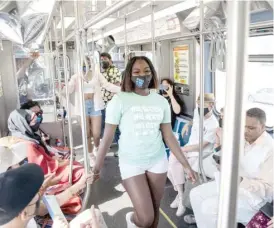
(102,15)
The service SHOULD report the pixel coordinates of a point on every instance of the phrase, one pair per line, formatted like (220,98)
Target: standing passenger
(93,83)
(144,119)
(113,75)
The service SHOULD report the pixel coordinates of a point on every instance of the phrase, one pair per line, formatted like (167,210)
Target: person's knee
(96,135)
(145,220)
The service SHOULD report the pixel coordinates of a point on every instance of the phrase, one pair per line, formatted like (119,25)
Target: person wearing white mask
(176,173)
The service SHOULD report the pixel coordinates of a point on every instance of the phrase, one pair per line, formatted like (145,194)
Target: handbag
(262,217)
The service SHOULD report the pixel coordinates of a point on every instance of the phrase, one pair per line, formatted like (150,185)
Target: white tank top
(88,88)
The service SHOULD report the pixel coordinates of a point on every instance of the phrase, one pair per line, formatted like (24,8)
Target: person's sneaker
(116,154)
(181,209)
(190,219)
(130,224)
(175,202)
(92,160)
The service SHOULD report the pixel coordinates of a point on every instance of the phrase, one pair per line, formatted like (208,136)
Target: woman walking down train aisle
(144,120)
(94,81)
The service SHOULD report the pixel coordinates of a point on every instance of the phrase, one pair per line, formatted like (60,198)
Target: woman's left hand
(169,91)
(50,180)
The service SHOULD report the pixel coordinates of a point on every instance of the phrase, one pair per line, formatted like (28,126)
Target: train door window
(259,81)
(259,88)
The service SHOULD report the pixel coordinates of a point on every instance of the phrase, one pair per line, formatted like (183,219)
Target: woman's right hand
(96,175)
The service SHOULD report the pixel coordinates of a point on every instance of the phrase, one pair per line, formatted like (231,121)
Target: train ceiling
(27,22)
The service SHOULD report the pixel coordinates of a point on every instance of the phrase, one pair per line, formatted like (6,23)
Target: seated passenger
(256,172)
(93,82)
(58,151)
(11,159)
(22,125)
(172,98)
(176,172)
(20,199)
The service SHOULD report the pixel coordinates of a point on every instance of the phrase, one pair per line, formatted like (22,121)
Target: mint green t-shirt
(139,119)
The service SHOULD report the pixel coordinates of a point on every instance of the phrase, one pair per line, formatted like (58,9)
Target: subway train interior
(212,60)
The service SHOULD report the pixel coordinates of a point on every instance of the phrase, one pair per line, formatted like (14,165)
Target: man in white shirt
(256,172)
(175,170)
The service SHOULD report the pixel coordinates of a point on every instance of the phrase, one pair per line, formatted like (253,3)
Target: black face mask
(220,122)
(206,111)
(105,64)
(141,82)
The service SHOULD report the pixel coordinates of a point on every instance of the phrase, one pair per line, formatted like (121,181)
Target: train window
(259,88)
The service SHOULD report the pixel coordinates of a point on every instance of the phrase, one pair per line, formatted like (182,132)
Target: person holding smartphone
(166,90)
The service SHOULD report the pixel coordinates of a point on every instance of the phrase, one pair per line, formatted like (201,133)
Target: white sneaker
(92,160)
(175,202)
(181,209)
(130,224)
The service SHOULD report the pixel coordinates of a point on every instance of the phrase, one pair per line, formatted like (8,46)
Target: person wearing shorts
(93,82)
(144,120)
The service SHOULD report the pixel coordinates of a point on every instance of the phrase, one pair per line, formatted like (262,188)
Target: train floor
(111,198)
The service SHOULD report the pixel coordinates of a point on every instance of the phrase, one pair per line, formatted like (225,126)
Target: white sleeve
(107,85)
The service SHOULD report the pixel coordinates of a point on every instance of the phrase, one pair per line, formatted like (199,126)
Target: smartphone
(53,207)
(217,159)
(163,87)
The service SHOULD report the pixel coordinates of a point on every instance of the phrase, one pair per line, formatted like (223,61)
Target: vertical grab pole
(82,101)
(233,138)
(52,74)
(92,46)
(202,92)
(153,33)
(125,38)
(59,76)
(67,91)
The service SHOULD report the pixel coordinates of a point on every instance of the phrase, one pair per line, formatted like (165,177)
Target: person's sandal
(190,219)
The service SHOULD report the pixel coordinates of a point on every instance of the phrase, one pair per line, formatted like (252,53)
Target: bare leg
(96,122)
(139,192)
(157,187)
